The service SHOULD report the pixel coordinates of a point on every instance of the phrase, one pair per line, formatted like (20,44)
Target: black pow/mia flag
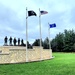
(31,13)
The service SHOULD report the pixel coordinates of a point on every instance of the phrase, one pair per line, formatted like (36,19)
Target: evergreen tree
(46,43)
(64,41)
(37,42)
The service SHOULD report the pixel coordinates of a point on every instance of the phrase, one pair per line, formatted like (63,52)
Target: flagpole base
(26,60)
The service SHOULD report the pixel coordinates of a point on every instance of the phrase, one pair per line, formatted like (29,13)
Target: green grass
(62,64)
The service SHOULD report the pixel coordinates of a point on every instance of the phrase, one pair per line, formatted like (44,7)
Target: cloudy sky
(13,18)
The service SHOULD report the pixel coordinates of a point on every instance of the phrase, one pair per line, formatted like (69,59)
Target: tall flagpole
(49,39)
(26,35)
(49,36)
(40,34)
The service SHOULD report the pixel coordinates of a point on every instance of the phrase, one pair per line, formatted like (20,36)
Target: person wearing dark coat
(5,40)
(10,41)
(14,41)
(18,41)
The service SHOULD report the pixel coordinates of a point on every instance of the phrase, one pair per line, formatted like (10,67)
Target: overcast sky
(13,18)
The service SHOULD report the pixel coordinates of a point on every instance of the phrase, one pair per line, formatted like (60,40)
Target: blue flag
(52,25)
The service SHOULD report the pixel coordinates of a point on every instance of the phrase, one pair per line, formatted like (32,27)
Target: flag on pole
(28,13)
(31,13)
(52,25)
(43,12)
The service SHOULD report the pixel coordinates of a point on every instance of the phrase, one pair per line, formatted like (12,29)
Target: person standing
(18,41)
(10,41)
(14,41)
(5,40)
(22,43)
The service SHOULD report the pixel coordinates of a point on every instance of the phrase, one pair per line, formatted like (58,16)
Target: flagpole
(49,40)
(49,37)
(26,35)
(40,34)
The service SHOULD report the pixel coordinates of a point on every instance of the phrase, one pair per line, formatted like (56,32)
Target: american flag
(43,12)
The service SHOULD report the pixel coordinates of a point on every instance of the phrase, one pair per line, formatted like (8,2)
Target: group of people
(16,42)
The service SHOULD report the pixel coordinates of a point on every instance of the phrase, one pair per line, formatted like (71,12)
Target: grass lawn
(62,64)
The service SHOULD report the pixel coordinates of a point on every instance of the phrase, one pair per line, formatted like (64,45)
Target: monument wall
(17,54)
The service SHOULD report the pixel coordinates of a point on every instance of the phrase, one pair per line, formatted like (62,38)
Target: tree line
(63,42)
